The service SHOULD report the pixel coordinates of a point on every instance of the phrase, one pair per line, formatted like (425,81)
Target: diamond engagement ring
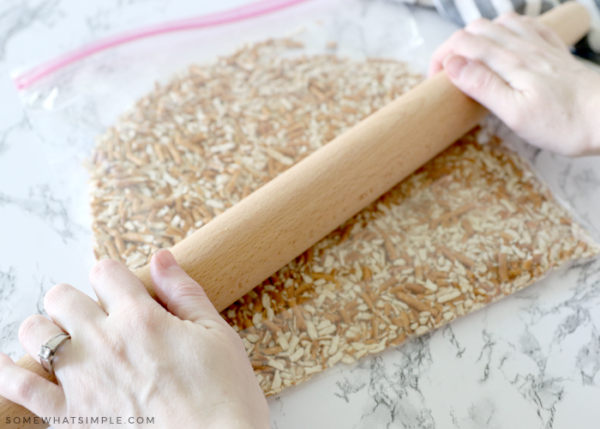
(48,350)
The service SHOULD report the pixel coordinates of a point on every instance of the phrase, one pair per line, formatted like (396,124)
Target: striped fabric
(464,11)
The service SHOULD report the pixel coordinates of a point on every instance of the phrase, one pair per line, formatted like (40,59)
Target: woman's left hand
(184,365)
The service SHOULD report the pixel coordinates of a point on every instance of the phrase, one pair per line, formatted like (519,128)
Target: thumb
(179,292)
(479,82)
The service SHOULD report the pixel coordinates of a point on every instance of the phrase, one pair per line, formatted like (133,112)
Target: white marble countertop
(529,361)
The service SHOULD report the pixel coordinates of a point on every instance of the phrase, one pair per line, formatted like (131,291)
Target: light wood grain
(249,242)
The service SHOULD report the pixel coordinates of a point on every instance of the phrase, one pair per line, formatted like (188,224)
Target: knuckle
(459,41)
(460,36)
(186,287)
(542,27)
(545,32)
(142,318)
(509,16)
(480,82)
(550,35)
(113,346)
(511,58)
(536,56)
(57,293)
(28,327)
(524,18)
(478,24)
(23,388)
(102,267)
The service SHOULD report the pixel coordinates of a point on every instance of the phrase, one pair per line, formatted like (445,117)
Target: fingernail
(165,259)
(454,65)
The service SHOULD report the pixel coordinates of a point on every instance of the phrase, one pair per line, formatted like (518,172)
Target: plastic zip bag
(428,251)
(73,99)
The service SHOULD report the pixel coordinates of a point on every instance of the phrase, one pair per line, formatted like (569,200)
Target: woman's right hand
(521,70)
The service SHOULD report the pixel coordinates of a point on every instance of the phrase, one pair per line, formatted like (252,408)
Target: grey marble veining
(16,16)
(40,202)
(531,360)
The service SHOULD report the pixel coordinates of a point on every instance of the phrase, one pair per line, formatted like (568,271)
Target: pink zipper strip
(28,78)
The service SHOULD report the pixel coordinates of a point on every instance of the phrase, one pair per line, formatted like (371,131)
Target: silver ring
(48,351)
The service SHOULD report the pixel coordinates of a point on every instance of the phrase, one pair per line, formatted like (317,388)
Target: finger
(441,53)
(530,28)
(549,35)
(71,309)
(437,60)
(522,26)
(35,331)
(480,48)
(500,34)
(115,285)
(448,48)
(479,82)
(477,48)
(28,389)
(179,292)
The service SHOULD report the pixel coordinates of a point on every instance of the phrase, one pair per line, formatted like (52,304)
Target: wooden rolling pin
(249,242)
